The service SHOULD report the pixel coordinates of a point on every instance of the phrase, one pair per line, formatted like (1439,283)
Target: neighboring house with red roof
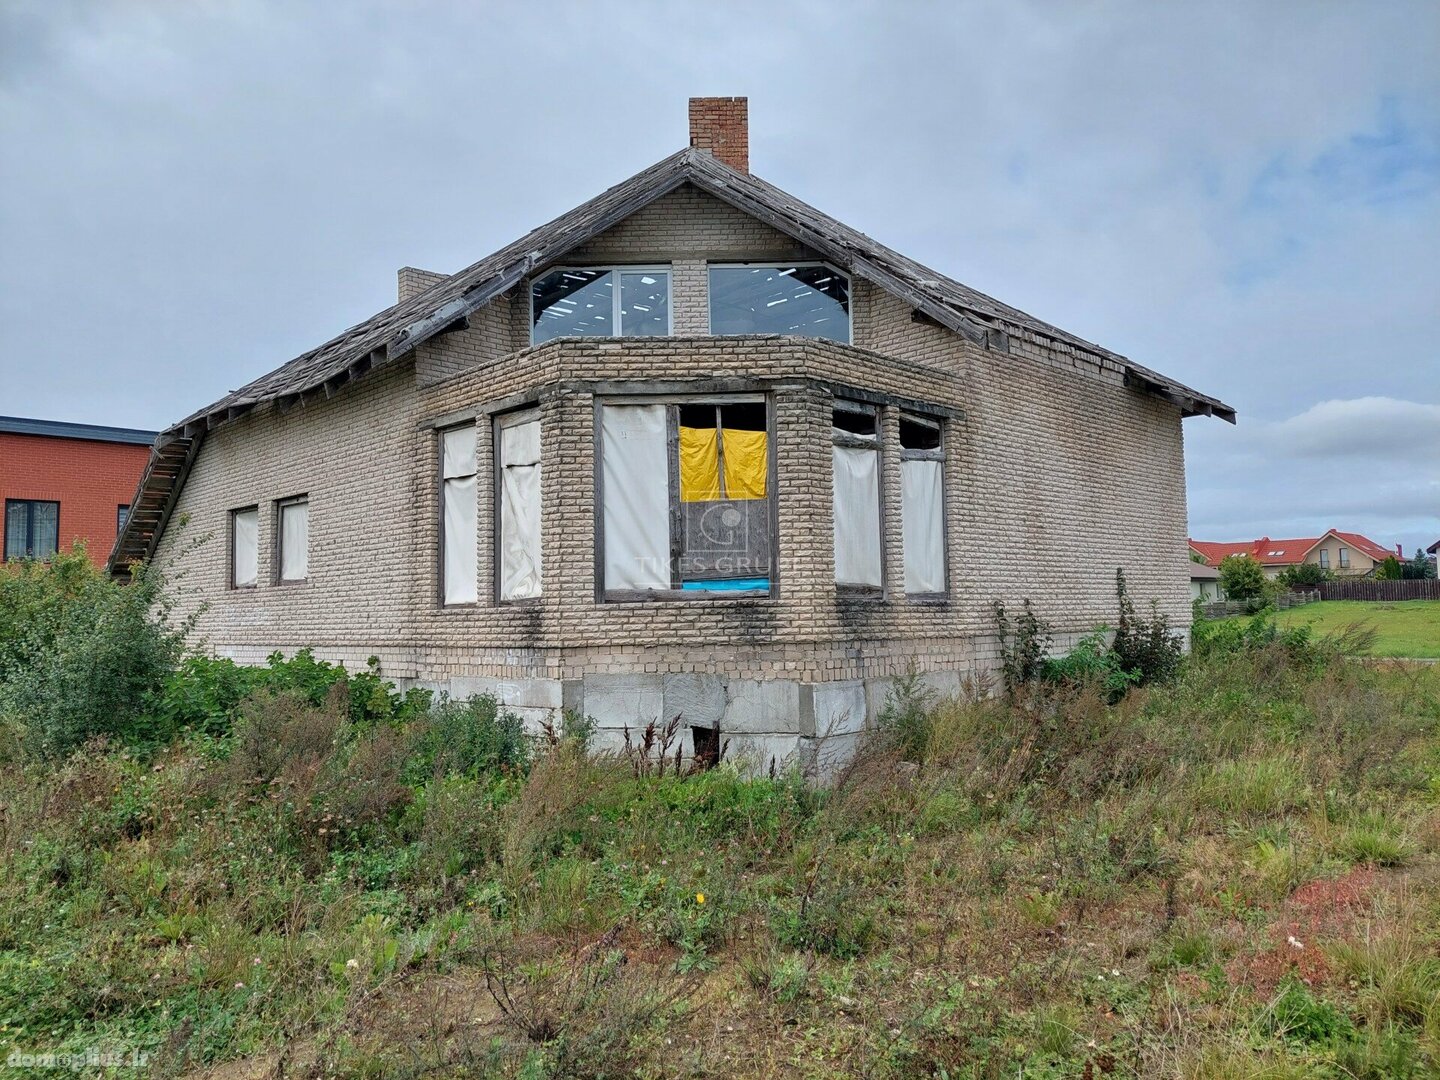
(1343,553)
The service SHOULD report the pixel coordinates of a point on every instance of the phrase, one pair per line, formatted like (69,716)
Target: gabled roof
(1270,552)
(1361,543)
(393,333)
(61,429)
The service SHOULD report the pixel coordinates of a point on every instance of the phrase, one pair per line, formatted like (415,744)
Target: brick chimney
(722,126)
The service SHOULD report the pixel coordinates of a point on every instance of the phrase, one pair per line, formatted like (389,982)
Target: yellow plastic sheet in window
(746,464)
(699,464)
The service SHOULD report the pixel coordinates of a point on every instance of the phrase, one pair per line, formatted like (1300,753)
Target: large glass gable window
(806,301)
(600,302)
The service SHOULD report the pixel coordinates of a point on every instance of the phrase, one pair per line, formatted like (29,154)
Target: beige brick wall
(1057,475)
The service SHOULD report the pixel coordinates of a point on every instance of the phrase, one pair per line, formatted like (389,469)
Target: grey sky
(1243,196)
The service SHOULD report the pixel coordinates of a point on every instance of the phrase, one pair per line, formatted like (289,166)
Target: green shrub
(905,719)
(468,738)
(1242,577)
(83,655)
(1145,647)
(1304,574)
(1023,647)
(1092,663)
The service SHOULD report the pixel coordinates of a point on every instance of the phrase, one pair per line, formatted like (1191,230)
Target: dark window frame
(439,458)
(122,515)
(770,264)
(616,297)
(876,444)
(521,414)
(30,505)
(230,519)
(278,544)
(677,594)
(936,453)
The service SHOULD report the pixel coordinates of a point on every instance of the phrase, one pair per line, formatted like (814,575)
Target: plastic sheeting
(294,541)
(857,516)
(520,510)
(636,497)
(746,464)
(458,516)
(922,511)
(245,547)
(699,465)
(457,449)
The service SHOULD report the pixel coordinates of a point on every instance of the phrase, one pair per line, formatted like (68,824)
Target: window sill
(928,599)
(666,596)
(869,594)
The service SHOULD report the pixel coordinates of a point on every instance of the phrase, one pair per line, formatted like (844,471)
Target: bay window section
(517,452)
(600,302)
(801,300)
(922,505)
(855,459)
(457,515)
(686,498)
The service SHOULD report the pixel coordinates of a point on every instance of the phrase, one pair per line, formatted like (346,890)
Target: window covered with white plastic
(600,302)
(922,504)
(293,539)
(855,459)
(457,515)
(244,547)
(686,497)
(801,300)
(517,454)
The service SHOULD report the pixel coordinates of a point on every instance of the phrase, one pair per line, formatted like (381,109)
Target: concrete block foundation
(764,724)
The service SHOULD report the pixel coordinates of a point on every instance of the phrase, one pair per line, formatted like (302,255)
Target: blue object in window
(729,585)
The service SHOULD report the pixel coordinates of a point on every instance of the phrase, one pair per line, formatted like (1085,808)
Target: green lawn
(1405,627)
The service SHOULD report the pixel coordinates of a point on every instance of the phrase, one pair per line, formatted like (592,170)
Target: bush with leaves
(1389,569)
(1242,577)
(1306,574)
(1145,646)
(1024,646)
(83,655)
(1092,663)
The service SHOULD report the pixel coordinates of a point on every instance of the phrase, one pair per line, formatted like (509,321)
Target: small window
(1344,557)
(122,513)
(1324,558)
(600,302)
(293,539)
(922,505)
(518,541)
(244,547)
(457,516)
(805,301)
(855,461)
(32,528)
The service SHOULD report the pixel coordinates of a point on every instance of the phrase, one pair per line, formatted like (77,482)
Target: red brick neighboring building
(60,482)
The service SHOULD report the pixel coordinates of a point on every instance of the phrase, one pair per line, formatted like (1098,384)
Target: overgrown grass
(1408,628)
(1232,874)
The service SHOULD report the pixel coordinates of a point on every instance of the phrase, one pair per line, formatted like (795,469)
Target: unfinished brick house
(693,448)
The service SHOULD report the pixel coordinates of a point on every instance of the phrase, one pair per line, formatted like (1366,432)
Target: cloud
(1368,427)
